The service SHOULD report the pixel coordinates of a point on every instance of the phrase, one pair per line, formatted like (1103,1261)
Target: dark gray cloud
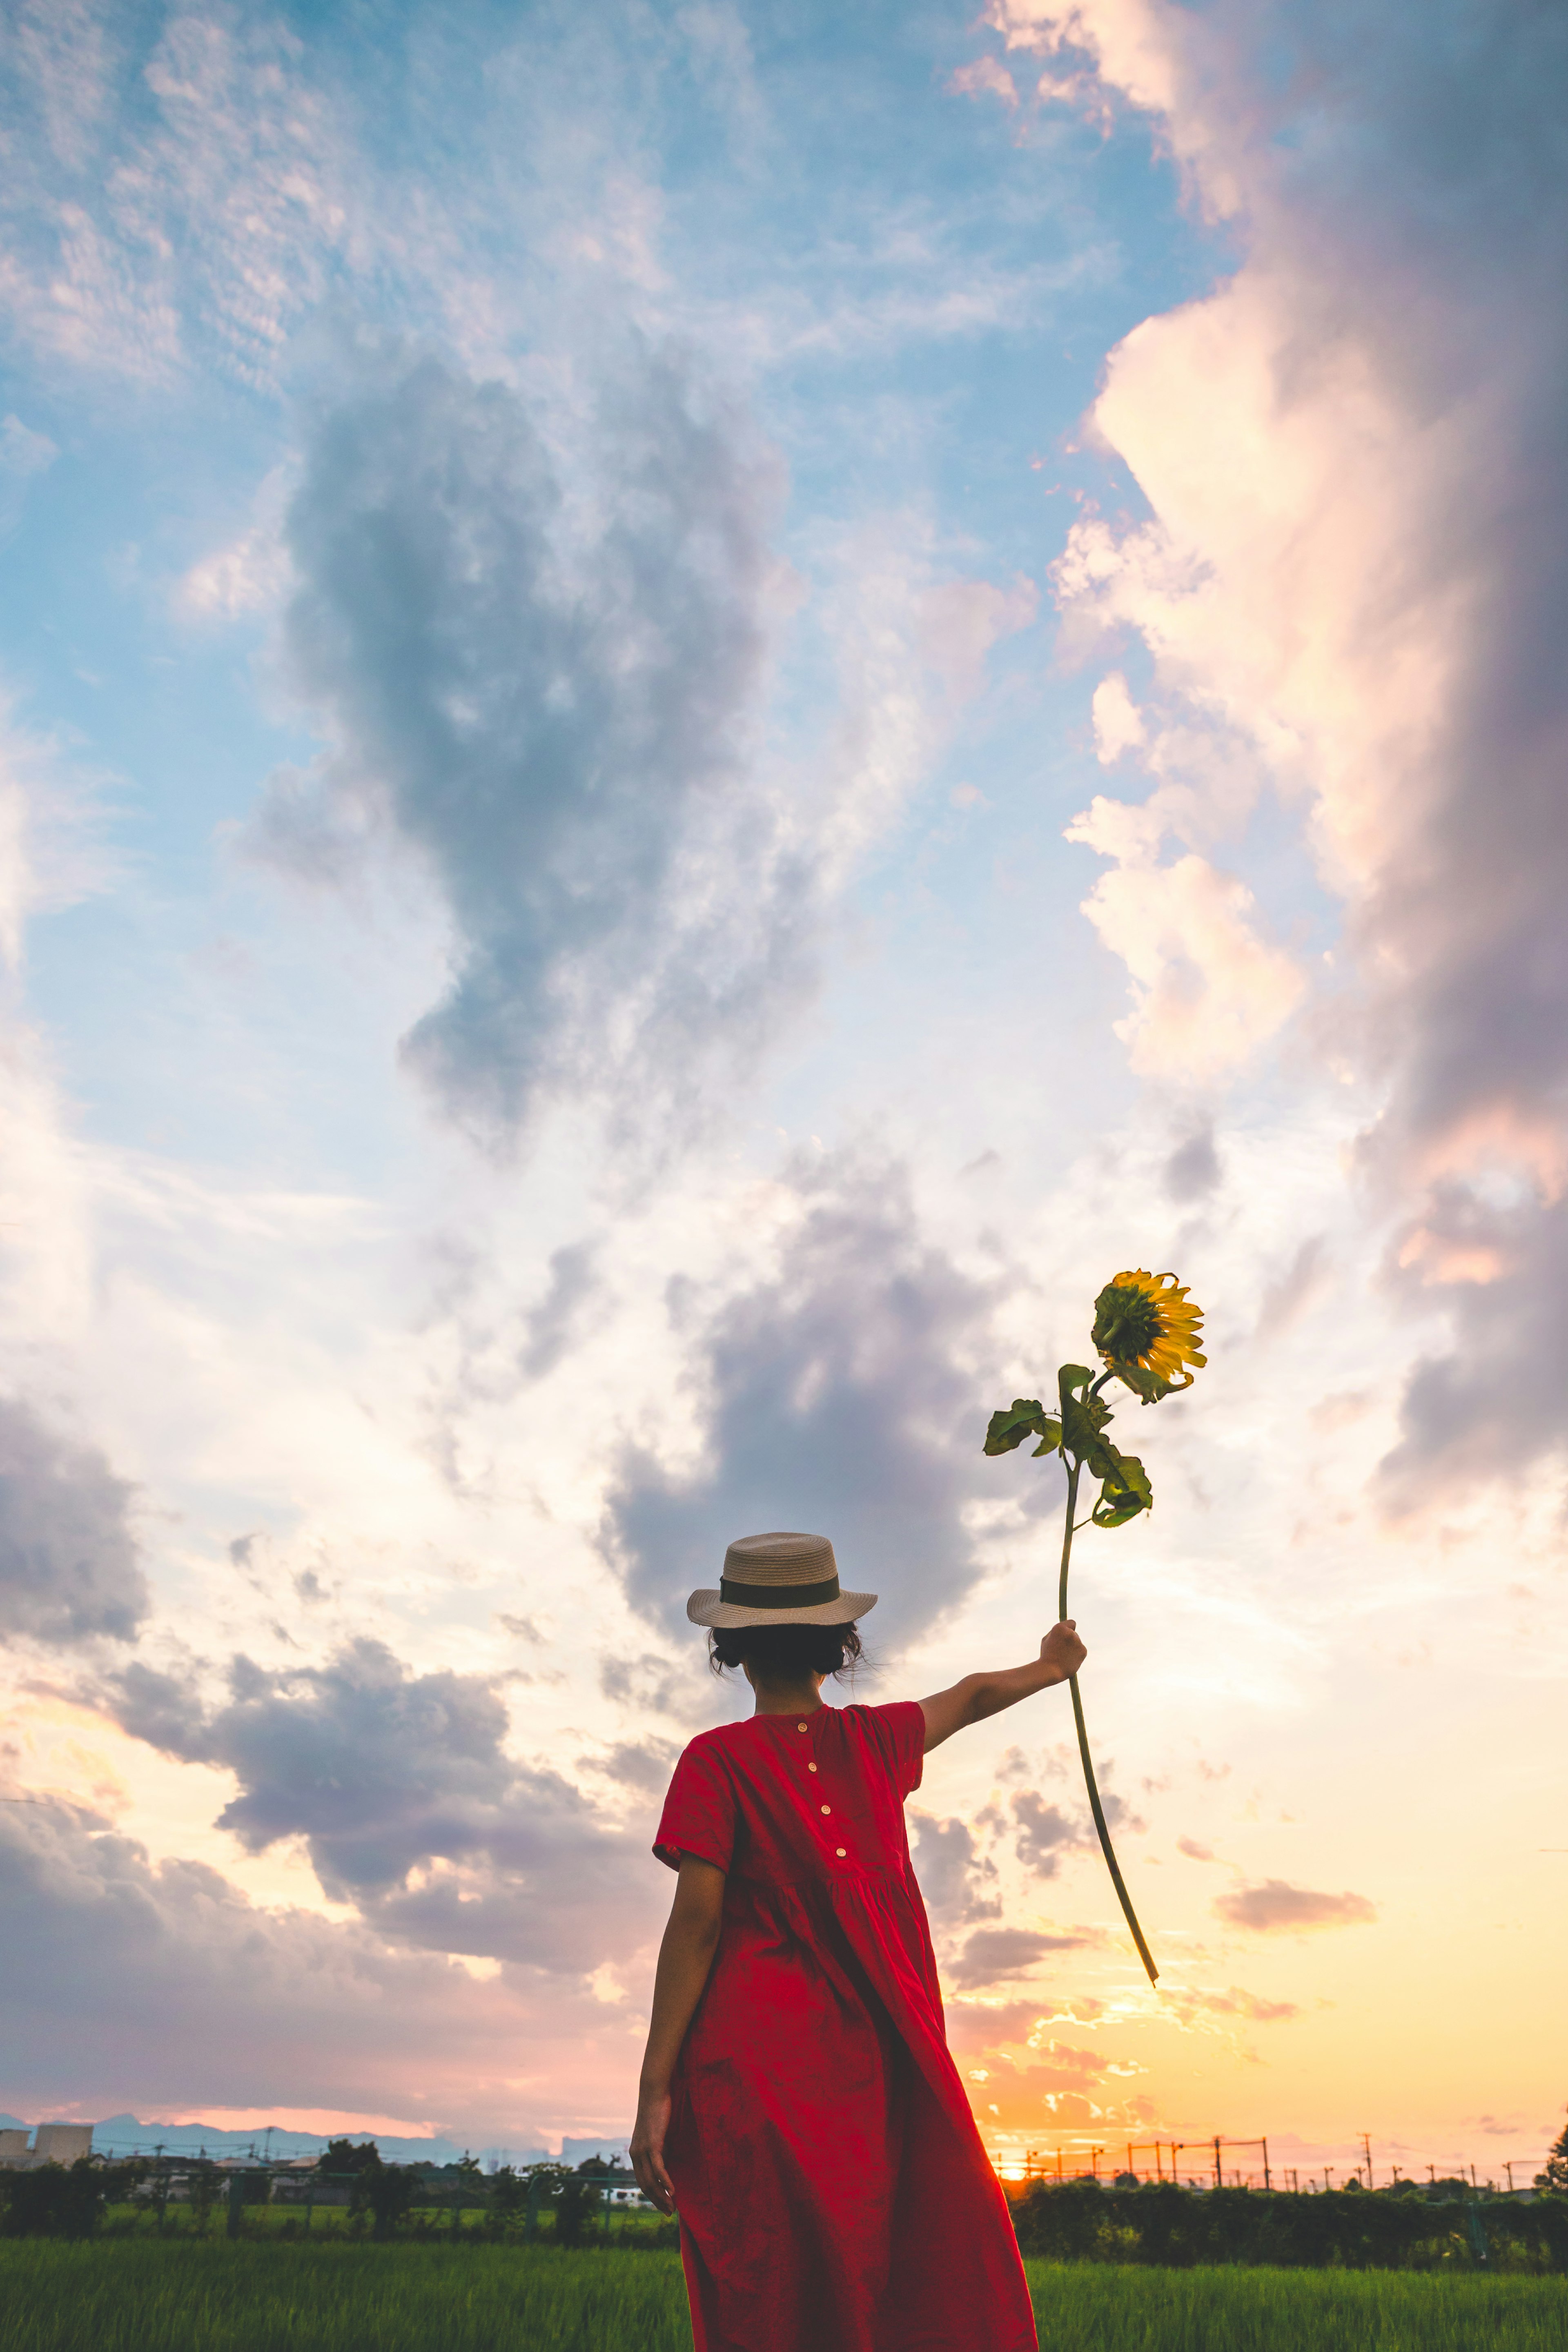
(1045,1832)
(409,1807)
(845,1395)
(1421,227)
(1495,1397)
(130,1984)
(1400,185)
(69,1566)
(957,1880)
(1275,1905)
(993,1954)
(551,1325)
(1437,236)
(1193,1169)
(645,1764)
(544,679)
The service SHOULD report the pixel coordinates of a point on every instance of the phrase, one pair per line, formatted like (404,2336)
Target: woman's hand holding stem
(978,1696)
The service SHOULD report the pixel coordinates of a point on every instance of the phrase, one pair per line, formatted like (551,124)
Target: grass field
(143,2296)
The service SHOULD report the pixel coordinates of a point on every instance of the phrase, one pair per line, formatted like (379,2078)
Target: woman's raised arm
(978,1696)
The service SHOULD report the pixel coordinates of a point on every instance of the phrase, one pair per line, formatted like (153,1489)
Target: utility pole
(1366,2144)
(1267,2182)
(1327,2169)
(1217,2181)
(1509,2169)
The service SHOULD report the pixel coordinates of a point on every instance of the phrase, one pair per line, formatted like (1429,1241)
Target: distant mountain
(128,2135)
(573,2151)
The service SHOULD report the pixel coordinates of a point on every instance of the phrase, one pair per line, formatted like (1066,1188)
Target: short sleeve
(699,1814)
(900,1732)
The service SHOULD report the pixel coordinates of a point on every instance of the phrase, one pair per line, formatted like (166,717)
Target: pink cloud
(1276,1905)
(1351,578)
(987,76)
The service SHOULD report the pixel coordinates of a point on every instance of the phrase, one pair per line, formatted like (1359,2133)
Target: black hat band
(777,1596)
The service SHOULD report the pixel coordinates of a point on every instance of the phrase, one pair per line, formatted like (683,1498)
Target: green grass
(1104,2307)
(141,2296)
(138,2295)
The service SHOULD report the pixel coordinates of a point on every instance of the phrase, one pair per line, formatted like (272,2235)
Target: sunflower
(1144,1323)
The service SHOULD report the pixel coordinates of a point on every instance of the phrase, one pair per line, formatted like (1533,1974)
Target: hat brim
(709,1608)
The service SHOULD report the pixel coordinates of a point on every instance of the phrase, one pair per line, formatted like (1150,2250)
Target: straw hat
(779,1579)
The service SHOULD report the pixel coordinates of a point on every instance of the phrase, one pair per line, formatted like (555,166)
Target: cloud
(837,1394)
(1044,1833)
(551,1323)
(195,197)
(69,1565)
(1237,2002)
(957,1881)
(1193,1168)
(142,1985)
(547,690)
(1194,1850)
(1118,722)
(540,644)
(1349,575)
(992,1955)
(1276,1905)
(24,454)
(409,1806)
(1208,991)
(985,74)
(974,2026)
(1304,1280)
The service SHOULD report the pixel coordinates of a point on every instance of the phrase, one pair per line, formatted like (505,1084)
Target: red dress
(833,2192)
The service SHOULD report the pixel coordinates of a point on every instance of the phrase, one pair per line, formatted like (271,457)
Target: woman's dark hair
(777,1653)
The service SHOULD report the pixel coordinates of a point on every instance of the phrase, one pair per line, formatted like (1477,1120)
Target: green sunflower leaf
(1125,1493)
(1050,1439)
(1148,1385)
(1024,1417)
(1071,1380)
(1081,1425)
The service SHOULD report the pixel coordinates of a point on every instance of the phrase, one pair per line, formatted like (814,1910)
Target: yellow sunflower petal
(1149,1320)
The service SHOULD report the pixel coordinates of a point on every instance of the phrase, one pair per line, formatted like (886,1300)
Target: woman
(798,2103)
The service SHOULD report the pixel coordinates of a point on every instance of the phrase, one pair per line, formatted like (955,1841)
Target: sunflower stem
(1096,1808)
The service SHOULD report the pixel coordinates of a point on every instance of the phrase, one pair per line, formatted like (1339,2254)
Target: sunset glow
(697,708)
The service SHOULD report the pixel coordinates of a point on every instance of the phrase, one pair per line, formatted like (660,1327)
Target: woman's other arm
(685,1956)
(978,1696)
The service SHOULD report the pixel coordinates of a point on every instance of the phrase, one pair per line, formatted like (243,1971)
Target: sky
(703,705)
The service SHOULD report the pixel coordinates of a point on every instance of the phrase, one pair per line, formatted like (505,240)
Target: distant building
(52,2144)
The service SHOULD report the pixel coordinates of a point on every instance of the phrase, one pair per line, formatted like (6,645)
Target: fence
(1215,2169)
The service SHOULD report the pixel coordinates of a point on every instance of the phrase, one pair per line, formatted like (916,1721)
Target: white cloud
(252,573)
(1208,991)
(1118,721)
(1351,584)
